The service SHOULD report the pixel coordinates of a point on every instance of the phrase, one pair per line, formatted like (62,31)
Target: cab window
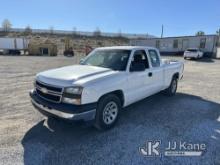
(154,58)
(140,57)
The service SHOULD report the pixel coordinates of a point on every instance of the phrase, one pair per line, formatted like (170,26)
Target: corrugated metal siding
(13,43)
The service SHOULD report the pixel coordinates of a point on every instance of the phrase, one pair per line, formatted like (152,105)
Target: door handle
(150,74)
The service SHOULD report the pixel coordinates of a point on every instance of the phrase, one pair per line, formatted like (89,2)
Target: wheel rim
(110,113)
(174,86)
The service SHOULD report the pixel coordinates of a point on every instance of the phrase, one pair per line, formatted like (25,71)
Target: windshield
(192,50)
(112,59)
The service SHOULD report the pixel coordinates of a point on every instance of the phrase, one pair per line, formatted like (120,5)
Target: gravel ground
(26,137)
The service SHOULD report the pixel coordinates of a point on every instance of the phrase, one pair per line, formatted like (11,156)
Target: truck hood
(68,75)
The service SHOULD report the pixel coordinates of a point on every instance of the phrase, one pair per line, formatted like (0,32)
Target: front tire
(171,90)
(107,112)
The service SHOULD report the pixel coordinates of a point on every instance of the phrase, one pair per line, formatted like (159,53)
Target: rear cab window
(154,58)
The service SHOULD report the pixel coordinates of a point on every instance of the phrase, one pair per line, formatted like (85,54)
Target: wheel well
(118,93)
(176,75)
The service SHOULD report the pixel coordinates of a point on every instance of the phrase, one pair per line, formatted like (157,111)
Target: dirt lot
(26,137)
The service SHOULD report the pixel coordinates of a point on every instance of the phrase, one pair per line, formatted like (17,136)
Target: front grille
(49,92)
(49,87)
(48,97)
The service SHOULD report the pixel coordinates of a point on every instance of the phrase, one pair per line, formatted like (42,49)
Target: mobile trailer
(177,45)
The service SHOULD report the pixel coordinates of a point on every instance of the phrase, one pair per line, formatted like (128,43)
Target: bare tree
(200,33)
(74,32)
(6,25)
(97,32)
(51,29)
(27,30)
(119,33)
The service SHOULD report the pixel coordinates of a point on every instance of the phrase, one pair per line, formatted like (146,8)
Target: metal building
(42,47)
(177,45)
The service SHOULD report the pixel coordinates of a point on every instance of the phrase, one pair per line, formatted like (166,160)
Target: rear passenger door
(156,69)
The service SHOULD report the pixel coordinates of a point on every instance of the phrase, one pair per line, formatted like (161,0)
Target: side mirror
(81,60)
(137,67)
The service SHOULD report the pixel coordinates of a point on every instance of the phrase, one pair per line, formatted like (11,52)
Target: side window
(155,60)
(202,43)
(140,57)
(175,43)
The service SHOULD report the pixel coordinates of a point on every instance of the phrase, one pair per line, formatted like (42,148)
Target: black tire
(100,119)
(171,90)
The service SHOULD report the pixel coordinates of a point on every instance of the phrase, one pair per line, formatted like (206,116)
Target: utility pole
(162,32)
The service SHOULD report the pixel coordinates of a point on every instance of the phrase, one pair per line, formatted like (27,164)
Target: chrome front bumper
(47,111)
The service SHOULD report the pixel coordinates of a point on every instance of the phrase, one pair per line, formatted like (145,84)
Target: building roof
(158,38)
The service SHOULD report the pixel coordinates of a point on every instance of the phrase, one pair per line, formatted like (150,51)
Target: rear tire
(107,112)
(171,90)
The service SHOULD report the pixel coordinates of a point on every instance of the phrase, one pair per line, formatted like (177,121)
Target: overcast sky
(180,17)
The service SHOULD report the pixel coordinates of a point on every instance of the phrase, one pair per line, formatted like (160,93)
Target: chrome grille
(49,92)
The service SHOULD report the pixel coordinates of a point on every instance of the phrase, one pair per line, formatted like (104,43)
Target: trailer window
(155,60)
(175,43)
(202,42)
(158,44)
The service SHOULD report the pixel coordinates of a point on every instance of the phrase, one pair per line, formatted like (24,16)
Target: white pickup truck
(107,80)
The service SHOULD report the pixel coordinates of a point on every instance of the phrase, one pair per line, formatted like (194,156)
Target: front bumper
(65,111)
(190,55)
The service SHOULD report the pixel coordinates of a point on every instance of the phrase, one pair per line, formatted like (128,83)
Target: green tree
(6,25)
(200,33)
(218,32)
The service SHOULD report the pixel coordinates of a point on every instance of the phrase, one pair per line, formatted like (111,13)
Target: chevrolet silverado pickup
(107,80)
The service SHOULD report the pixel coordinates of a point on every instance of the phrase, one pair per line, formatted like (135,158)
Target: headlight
(72,95)
(73,90)
(71,100)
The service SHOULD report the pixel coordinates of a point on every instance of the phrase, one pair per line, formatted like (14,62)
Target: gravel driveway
(26,137)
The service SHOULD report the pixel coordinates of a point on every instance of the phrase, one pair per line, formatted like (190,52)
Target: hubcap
(174,86)
(110,113)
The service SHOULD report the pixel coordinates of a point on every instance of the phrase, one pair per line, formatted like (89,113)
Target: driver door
(139,82)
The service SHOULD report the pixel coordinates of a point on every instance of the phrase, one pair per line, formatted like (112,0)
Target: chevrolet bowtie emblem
(44,90)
